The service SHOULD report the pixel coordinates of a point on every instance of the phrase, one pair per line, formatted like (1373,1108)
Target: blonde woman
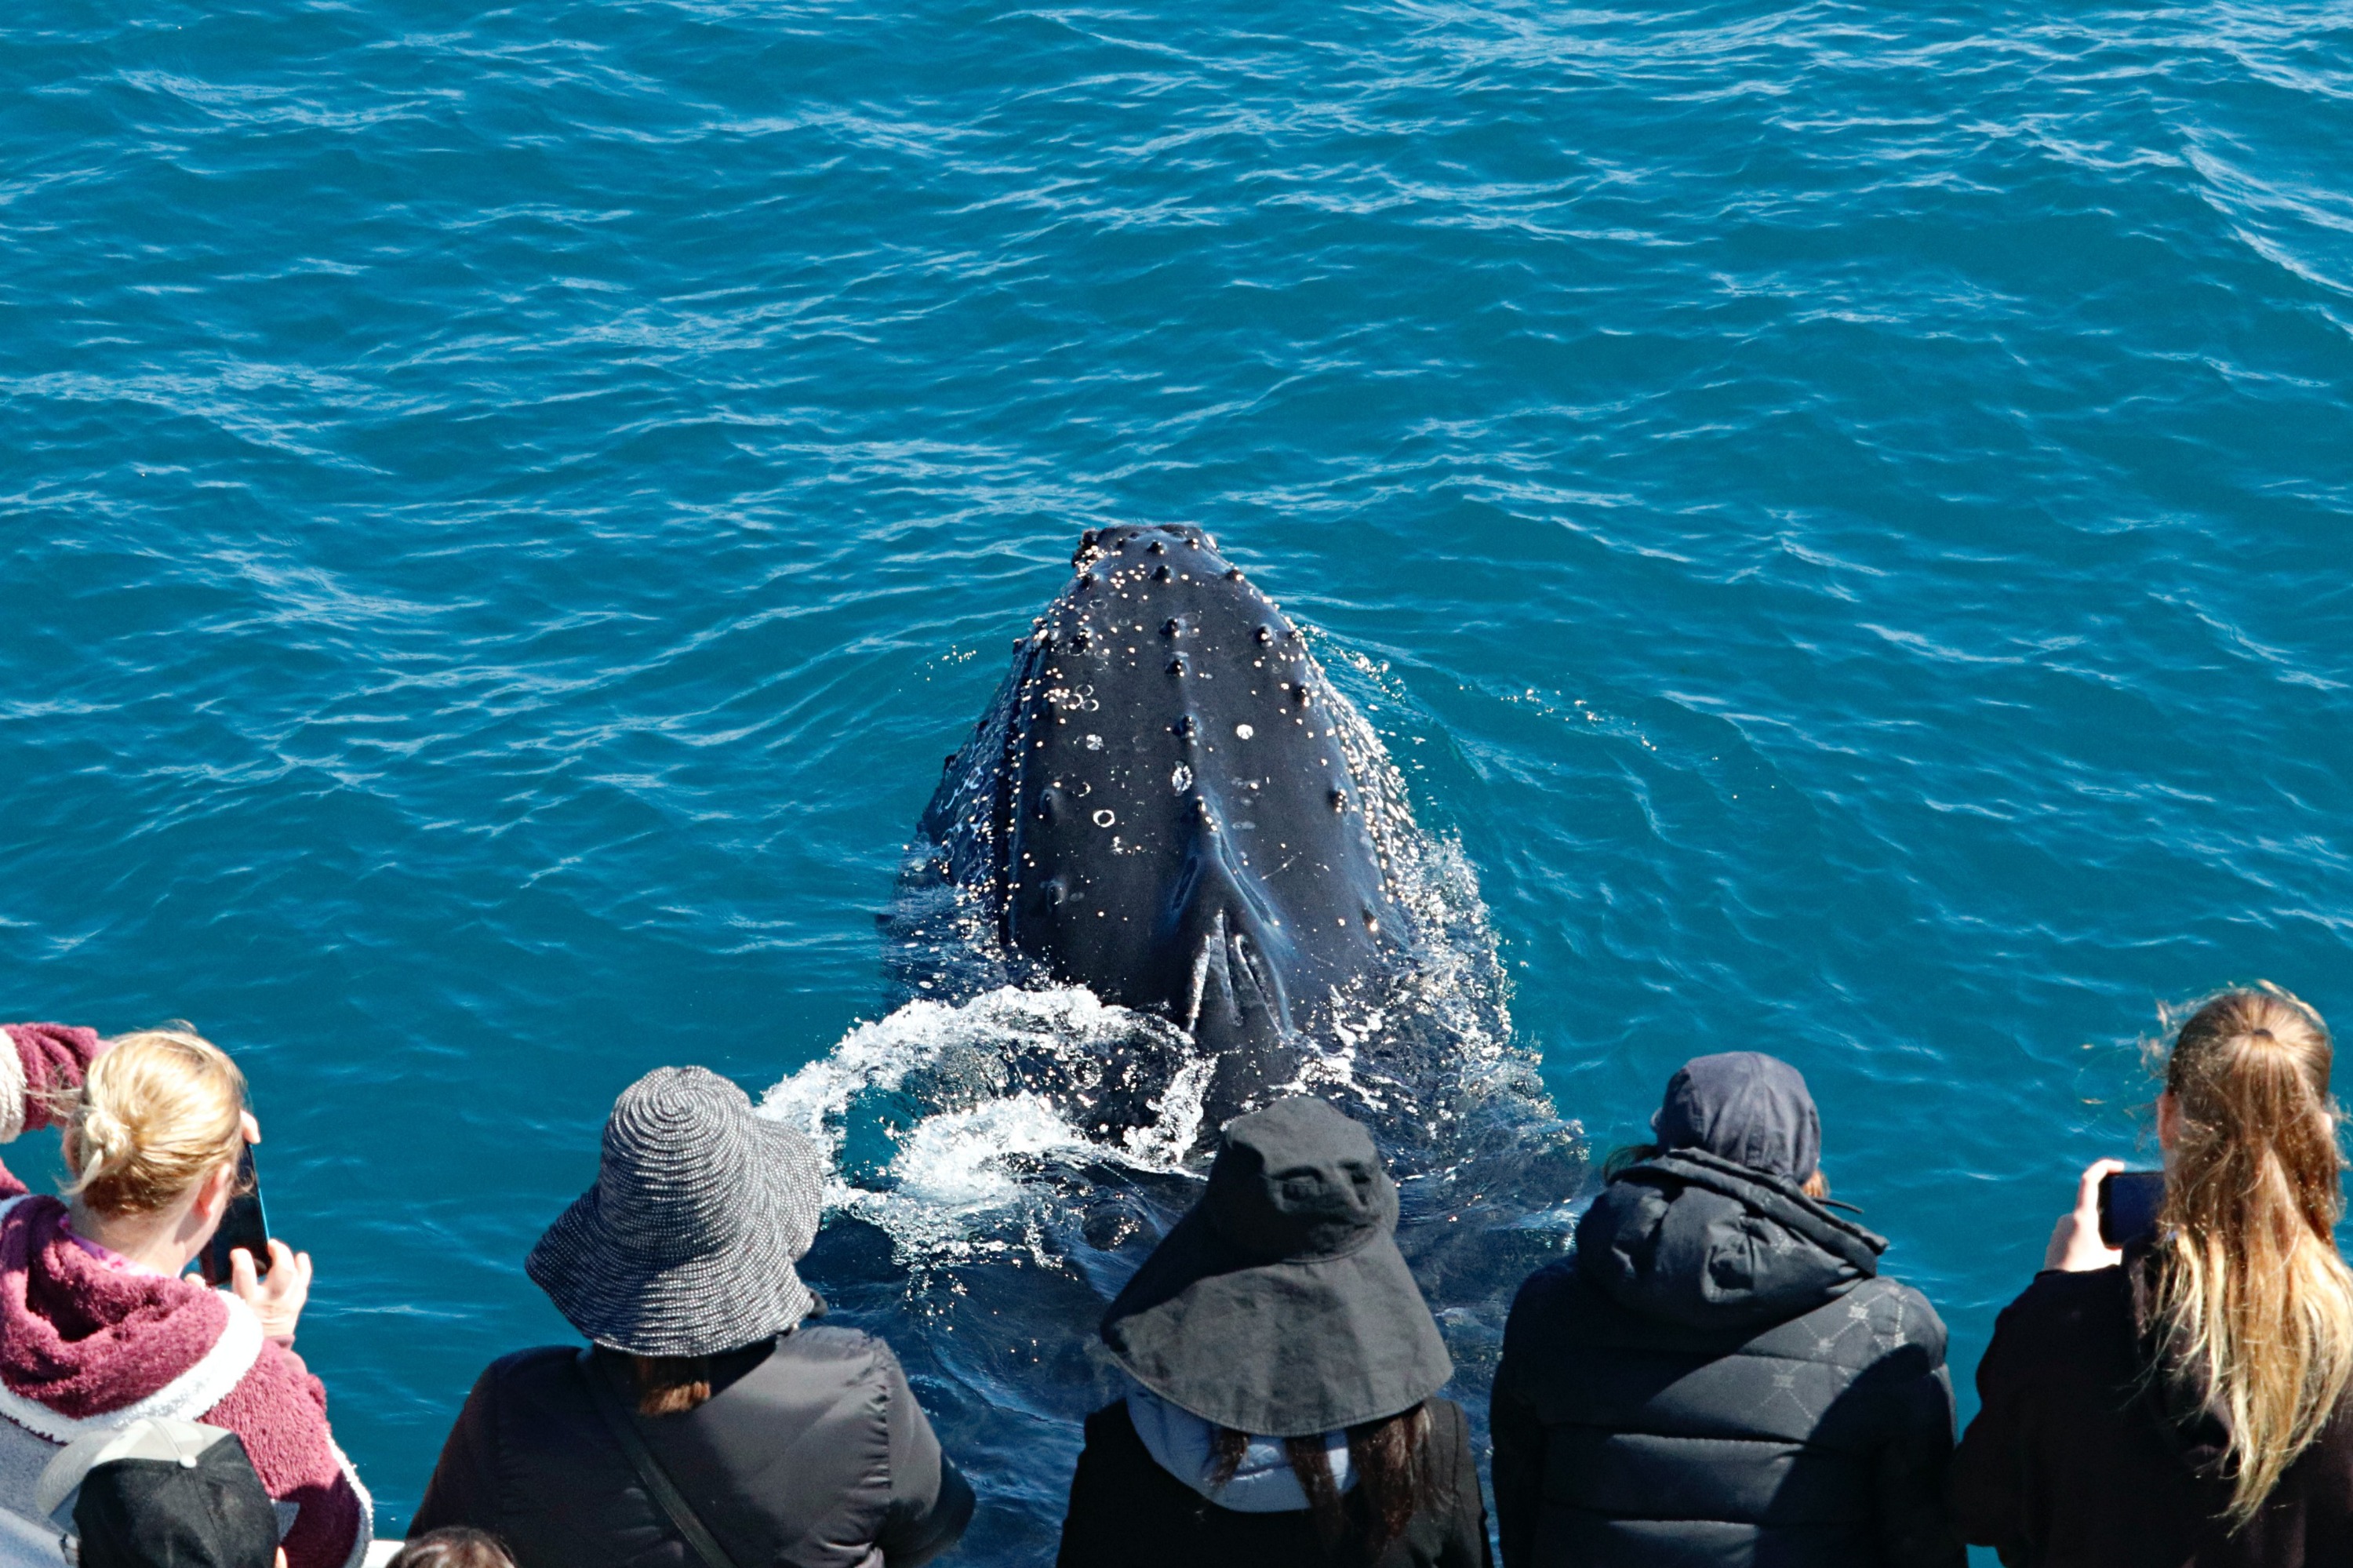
(100,1327)
(2184,1401)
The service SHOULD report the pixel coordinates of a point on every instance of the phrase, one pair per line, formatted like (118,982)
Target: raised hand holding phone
(265,1275)
(2075,1245)
(278,1298)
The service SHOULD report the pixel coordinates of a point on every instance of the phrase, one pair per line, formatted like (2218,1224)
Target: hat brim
(1279,1349)
(715,1301)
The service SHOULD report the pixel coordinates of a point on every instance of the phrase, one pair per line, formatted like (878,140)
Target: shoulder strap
(681,1514)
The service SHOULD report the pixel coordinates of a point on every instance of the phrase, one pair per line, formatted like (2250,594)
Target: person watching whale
(1720,1373)
(99,1325)
(708,1421)
(2186,1400)
(1284,1368)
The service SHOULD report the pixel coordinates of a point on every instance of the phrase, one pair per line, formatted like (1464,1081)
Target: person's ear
(2168,1121)
(212,1194)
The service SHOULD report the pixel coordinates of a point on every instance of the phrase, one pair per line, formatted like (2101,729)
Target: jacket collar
(1770,1194)
(1695,1239)
(79,1340)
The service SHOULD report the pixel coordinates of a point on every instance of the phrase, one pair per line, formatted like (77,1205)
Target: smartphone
(2129,1201)
(243,1225)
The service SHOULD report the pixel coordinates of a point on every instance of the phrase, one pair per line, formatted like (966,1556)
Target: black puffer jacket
(1719,1377)
(811,1452)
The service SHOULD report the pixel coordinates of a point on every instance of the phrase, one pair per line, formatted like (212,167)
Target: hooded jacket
(1719,1375)
(86,1346)
(2078,1460)
(811,1452)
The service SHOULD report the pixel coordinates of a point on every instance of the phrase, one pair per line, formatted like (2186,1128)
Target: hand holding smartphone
(274,1280)
(243,1225)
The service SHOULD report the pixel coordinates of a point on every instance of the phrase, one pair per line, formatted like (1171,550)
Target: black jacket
(2075,1461)
(1719,1377)
(1128,1512)
(811,1452)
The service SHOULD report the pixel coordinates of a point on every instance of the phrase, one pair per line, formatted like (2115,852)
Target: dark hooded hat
(1716,1230)
(1280,1305)
(1744,1107)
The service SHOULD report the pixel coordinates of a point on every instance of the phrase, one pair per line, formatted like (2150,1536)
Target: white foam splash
(954,1163)
(958,1165)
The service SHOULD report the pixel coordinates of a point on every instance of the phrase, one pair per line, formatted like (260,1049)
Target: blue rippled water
(1843,512)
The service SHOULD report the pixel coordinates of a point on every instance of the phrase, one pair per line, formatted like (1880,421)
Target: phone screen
(2129,1201)
(243,1225)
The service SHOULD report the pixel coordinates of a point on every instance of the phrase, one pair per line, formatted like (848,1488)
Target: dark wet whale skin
(1158,805)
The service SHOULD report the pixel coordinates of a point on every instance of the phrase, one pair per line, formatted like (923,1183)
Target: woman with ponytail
(2185,1400)
(100,1325)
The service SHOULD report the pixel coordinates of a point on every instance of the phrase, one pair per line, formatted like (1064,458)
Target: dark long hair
(1394,1478)
(670,1385)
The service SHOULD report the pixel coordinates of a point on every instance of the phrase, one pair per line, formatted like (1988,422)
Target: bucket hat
(1746,1107)
(1279,1305)
(685,1246)
(159,1491)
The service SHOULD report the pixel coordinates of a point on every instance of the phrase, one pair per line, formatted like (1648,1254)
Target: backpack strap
(658,1484)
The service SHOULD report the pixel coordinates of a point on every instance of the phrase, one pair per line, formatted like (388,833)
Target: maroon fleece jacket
(79,1340)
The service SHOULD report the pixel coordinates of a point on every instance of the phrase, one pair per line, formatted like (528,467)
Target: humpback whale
(1169,875)
(1167,803)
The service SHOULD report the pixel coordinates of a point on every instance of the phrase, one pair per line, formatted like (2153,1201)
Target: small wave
(932,1115)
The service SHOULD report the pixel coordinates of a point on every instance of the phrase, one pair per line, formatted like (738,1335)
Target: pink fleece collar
(83,1338)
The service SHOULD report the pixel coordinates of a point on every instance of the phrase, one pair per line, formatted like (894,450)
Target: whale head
(1160,807)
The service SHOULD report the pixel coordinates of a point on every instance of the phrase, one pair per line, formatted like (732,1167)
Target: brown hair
(1816,1186)
(1393,1478)
(2252,1304)
(454,1546)
(671,1386)
(159,1111)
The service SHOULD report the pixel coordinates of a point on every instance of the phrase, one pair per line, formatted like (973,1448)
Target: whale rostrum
(1167,803)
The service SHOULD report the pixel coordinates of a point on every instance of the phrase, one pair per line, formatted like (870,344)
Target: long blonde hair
(2254,1305)
(159,1111)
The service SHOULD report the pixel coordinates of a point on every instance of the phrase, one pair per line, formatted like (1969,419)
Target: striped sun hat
(685,1246)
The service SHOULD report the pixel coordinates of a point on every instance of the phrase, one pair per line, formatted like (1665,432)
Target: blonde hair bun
(159,1111)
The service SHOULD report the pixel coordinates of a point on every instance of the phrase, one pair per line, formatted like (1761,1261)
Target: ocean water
(1839,514)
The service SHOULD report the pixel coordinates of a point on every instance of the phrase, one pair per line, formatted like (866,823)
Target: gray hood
(1743,1106)
(1698,1239)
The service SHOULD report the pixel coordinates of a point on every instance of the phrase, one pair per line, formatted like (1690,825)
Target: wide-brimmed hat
(686,1244)
(1746,1107)
(1280,1305)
